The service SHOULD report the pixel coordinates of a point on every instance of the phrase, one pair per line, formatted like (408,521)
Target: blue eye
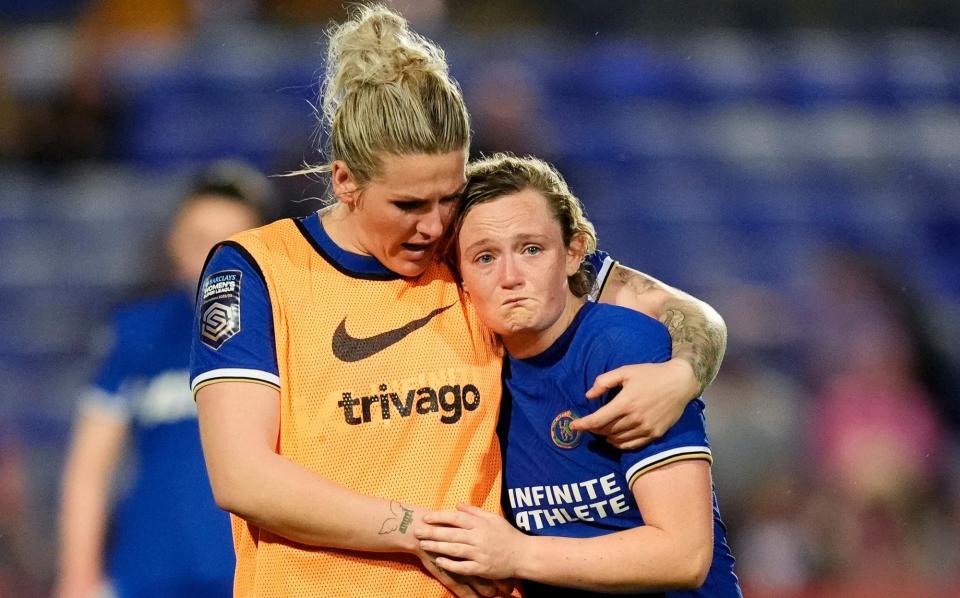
(532,250)
(483,258)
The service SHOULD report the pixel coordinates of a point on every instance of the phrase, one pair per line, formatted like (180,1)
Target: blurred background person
(20,572)
(878,437)
(165,535)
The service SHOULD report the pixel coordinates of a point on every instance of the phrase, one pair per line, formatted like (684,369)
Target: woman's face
(515,265)
(400,216)
(201,223)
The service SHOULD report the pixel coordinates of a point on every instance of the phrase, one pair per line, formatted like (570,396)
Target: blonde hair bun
(376,47)
(387,90)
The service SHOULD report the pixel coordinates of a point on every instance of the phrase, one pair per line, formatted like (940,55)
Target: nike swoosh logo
(350,349)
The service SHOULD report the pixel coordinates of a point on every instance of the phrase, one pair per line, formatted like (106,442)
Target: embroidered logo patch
(220,307)
(561,433)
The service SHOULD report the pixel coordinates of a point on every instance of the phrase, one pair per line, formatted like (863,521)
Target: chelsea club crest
(561,433)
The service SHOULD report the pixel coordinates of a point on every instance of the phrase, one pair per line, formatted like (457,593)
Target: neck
(529,343)
(337,223)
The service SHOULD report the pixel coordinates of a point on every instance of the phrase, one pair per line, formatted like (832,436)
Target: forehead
(421,176)
(210,207)
(524,212)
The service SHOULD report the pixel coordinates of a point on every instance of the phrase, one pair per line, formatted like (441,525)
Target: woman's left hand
(471,541)
(652,399)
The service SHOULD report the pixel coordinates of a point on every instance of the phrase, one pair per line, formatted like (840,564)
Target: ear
(458,271)
(575,254)
(345,188)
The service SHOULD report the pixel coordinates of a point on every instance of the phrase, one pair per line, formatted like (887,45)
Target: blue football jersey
(558,482)
(167,533)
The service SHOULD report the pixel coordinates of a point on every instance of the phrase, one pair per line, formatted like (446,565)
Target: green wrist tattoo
(405,522)
(401,518)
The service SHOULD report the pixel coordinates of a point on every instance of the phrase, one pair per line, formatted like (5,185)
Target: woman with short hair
(595,519)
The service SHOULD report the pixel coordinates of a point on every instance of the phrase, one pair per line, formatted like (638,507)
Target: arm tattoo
(400,518)
(698,333)
(697,338)
(638,283)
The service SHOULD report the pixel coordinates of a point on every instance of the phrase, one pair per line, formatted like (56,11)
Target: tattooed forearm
(399,519)
(699,337)
(698,332)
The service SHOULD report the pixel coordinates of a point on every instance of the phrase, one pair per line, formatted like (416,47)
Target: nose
(431,224)
(510,275)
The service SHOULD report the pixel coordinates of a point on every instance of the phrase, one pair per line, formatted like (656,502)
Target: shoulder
(612,336)
(601,264)
(149,333)
(152,312)
(613,323)
(439,270)
(247,254)
(264,233)
(262,244)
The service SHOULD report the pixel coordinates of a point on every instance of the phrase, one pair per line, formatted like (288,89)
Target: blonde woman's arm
(239,424)
(654,395)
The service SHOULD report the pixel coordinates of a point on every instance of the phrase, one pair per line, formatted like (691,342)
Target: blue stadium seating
(709,161)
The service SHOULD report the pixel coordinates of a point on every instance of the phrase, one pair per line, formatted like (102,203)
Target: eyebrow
(522,238)
(532,237)
(476,244)
(455,194)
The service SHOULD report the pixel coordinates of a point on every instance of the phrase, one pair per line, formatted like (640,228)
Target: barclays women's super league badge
(220,307)
(561,433)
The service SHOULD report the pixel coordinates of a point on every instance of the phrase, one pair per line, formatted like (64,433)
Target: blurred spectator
(298,13)
(862,300)
(11,117)
(878,445)
(166,535)
(19,558)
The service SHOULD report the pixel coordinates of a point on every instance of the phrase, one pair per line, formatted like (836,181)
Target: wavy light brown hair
(503,174)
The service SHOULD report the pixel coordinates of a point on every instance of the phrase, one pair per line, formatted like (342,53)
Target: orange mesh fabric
(414,421)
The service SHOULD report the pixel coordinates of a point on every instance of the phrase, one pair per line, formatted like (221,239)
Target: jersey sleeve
(233,338)
(602,264)
(687,439)
(639,339)
(107,393)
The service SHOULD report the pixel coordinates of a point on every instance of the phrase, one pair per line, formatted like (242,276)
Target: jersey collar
(552,354)
(349,263)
